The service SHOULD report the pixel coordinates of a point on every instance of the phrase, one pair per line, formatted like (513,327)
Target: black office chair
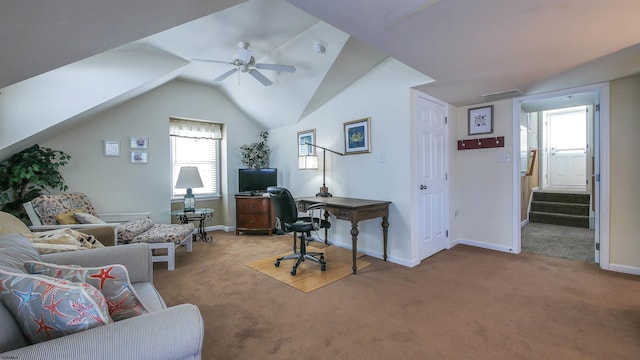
(287,212)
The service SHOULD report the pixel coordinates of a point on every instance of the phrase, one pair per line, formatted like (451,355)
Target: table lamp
(188,178)
(308,161)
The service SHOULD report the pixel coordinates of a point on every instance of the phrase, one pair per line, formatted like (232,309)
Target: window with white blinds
(195,143)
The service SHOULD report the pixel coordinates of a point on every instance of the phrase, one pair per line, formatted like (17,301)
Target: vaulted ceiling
(100,53)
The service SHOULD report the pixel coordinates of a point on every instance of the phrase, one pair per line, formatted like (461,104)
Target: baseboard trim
(485,245)
(626,269)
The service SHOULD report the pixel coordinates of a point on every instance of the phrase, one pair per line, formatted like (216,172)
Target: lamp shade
(189,177)
(307,162)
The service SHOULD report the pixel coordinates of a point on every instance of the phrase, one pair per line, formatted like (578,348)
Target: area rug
(309,277)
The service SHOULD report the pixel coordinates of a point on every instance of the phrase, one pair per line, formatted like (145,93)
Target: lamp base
(324,192)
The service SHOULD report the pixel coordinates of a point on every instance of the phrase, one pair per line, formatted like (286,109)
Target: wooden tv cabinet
(254,214)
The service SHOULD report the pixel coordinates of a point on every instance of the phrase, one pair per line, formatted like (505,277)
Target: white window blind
(195,143)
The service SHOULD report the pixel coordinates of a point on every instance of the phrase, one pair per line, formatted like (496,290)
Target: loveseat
(158,332)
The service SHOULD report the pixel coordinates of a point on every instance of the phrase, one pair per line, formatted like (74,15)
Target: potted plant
(29,173)
(256,155)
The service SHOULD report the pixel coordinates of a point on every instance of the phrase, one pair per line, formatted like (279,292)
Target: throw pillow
(112,280)
(15,249)
(53,241)
(66,218)
(46,308)
(86,218)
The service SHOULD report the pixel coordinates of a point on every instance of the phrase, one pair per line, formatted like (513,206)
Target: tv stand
(254,213)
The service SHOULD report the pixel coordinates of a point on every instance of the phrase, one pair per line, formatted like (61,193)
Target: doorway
(570,127)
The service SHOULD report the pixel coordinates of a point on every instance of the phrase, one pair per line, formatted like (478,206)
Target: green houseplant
(256,155)
(29,173)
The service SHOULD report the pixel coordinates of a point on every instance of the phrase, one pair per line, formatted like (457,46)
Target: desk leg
(385,231)
(354,243)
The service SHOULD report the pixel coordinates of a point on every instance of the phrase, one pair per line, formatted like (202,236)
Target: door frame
(602,140)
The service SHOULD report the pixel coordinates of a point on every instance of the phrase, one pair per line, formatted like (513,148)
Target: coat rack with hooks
(481,143)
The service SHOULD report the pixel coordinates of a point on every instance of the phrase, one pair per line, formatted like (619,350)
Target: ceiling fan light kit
(246,63)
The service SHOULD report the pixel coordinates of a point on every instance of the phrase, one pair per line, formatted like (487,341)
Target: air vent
(500,95)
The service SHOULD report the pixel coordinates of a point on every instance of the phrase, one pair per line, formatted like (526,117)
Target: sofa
(158,332)
(75,211)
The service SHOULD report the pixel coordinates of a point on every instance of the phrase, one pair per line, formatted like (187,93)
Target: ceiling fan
(245,62)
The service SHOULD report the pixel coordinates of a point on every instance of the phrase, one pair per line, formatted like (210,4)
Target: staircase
(569,209)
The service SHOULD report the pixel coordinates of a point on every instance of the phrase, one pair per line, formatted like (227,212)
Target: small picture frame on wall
(306,137)
(357,136)
(481,120)
(111,148)
(139,157)
(138,142)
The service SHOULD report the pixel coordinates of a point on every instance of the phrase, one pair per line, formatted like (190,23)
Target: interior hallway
(566,242)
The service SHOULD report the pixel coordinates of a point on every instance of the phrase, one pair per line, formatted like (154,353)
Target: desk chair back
(286,210)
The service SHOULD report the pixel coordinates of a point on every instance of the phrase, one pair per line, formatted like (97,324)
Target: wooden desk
(353,210)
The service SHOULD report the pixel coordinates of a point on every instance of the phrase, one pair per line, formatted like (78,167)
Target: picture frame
(481,120)
(139,157)
(111,148)
(357,136)
(306,137)
(138,142)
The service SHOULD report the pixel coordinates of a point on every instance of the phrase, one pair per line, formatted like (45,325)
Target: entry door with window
(566,132)
(431,177)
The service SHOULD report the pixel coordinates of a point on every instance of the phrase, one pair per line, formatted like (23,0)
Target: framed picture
(111,148)
(139,157)
(138,142)
(306,137)
(357,136)
(481,120)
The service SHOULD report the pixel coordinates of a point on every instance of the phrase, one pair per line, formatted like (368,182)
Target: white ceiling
(470,48)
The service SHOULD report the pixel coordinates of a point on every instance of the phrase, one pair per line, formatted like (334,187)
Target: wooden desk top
(343,202)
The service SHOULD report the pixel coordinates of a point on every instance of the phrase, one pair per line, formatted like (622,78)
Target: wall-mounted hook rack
(481,143)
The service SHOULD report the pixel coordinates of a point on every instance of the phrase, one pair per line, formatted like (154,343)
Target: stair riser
(562,198)
(555,219)
(570,209)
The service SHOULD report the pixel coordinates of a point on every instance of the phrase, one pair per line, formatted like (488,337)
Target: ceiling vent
(500,95)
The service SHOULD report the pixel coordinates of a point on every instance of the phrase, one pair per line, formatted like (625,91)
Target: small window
(194,143)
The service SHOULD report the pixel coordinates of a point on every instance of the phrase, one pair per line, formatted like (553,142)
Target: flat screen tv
(256,180)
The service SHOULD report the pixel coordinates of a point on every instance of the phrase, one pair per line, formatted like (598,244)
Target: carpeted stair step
(569,198)
(560,208)
(559,219)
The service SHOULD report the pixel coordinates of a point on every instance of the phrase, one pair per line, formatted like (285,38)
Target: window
(196,143)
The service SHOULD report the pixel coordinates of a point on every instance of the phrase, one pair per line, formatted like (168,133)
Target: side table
(202,215)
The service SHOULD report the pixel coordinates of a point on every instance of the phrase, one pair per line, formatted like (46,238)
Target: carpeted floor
(566,242)
(462,303)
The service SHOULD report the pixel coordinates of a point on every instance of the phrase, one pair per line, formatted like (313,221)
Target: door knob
(423,187)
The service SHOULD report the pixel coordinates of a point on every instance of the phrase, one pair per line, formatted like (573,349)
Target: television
(256,180)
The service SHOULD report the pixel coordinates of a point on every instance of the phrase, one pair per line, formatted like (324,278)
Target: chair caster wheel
(293,272)
(322,258)
(323,268)
(277,264)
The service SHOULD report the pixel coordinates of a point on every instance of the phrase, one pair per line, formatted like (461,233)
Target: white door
(567,142)
(431,177)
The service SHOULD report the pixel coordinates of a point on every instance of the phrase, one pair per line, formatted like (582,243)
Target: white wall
(114,184)
(384,174)
(481,185)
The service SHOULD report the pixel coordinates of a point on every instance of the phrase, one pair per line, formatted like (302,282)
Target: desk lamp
(188,178)
(308,160)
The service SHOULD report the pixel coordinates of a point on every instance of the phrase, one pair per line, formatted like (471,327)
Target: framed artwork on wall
(139,157)
(357,136)
(138,142)
(306,137)
(111,148)
(481,120)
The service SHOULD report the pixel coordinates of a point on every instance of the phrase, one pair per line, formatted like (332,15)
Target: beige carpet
(309,277)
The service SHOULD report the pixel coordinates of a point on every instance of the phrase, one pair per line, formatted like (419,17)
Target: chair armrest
(105,234)
(173,333)
(123,217)
(135,257)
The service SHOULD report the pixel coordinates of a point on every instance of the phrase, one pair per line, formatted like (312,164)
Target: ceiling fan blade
(276,67)
(226,75)
(258,75)
(213,61)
